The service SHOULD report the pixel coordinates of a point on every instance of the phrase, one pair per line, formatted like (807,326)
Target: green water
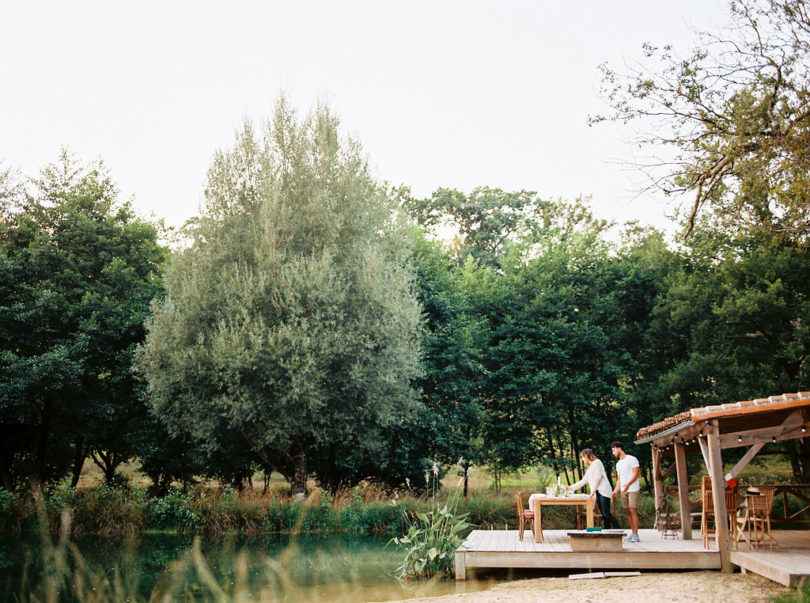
(331,567)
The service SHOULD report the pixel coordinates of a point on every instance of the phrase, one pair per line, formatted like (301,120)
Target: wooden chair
(524,516)
(755,523)
(707,513)
(667,521)
(707,508)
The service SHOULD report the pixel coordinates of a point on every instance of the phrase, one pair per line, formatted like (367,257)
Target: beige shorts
(630,499)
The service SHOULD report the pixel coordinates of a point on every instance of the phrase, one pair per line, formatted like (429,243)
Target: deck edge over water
(657,554)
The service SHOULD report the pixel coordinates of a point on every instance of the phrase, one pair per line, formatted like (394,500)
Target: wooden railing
(780,514)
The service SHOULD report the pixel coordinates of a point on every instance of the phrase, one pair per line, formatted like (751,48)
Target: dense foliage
(78,270)
(322,325)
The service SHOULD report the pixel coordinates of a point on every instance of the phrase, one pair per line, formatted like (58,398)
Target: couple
(627,468)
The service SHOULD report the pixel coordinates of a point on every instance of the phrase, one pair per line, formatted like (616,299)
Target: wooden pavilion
(712,429)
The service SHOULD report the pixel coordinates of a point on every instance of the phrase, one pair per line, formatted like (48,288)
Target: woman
(598,481)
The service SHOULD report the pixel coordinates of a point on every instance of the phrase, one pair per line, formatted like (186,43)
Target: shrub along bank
(106,510)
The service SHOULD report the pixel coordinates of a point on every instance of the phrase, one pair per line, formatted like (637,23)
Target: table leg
(589,512)
(538,521)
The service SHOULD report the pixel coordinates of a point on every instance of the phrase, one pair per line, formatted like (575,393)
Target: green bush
(488,511)
(280,516)
(173,511)
(107,510)
(13,511)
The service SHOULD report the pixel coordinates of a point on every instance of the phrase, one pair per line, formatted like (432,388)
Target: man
(628,470)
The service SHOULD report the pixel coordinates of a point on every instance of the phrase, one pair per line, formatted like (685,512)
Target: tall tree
(553,385)
(482,222)
(453,342)
(733,117)
(291,319)
(77,272)
(739,306)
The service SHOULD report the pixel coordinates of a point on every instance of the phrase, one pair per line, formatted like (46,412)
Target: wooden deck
(789,565)
(501,548)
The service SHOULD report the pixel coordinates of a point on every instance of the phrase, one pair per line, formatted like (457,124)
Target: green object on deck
(593,529)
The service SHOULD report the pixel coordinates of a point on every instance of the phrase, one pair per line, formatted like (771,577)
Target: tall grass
(104,510)
(289,569)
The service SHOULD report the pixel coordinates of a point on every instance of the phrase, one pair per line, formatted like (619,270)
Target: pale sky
(441,93)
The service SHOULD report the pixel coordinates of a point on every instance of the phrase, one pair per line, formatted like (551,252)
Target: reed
(104,510)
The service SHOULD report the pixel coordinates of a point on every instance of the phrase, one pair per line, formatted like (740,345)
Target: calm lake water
(322,567)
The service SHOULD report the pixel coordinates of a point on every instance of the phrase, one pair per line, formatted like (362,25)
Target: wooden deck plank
(501,548)
(789,565)
(790,569)
(483,541)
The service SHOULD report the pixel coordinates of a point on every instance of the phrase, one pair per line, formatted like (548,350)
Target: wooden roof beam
(790,429)
(747,457)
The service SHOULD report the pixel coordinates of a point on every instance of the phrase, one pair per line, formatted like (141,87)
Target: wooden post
(461,566)
(683,491)
(658,478)
(721,529)
(704,450)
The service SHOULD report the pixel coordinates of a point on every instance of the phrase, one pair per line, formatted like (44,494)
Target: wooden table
(538,501)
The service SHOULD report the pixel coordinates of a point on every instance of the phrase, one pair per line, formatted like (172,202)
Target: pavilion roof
(725,411)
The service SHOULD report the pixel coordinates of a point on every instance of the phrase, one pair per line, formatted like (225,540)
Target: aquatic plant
(432,537)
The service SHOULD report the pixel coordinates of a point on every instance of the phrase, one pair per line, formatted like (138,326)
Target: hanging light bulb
(773,439)
(804,429)
(739,438)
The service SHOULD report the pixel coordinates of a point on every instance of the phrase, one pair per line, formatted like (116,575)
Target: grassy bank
(105,510)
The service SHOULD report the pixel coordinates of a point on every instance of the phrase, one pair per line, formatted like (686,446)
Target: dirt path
(649,588)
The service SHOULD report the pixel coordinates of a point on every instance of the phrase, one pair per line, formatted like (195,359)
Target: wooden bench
(601,541)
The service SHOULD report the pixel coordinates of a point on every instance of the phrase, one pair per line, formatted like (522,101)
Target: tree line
(316,322)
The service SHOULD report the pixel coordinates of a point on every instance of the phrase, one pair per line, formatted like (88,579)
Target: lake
(306,567)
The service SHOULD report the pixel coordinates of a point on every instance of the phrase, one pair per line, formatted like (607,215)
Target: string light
(804,429)
(739,438)
(773,439)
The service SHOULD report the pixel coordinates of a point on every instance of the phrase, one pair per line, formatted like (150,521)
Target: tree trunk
(108,463)
(298,484)
(552,454)
(466,467)
(799,454)
(78,461)
(42,444)
(5,469)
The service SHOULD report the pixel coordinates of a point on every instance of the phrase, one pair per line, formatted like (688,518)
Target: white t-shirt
(624,468)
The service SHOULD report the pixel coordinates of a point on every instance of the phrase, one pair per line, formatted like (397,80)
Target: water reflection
(307,567)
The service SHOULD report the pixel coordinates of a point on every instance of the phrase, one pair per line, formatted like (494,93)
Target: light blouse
(597,480)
